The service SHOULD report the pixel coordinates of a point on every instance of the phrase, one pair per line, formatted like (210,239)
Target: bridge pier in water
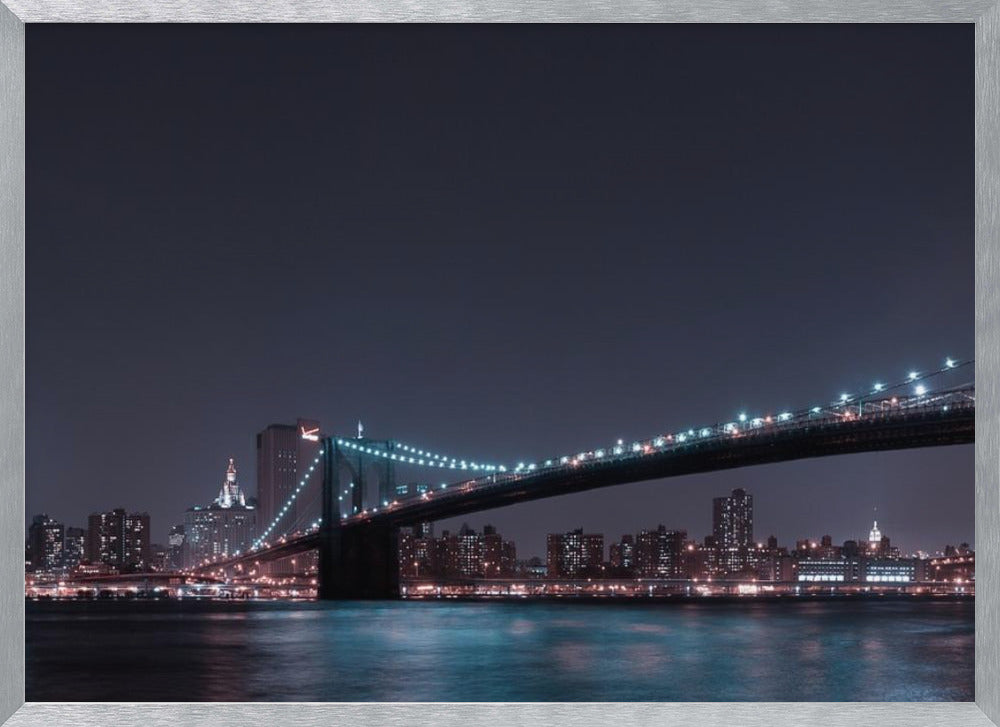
(356,562)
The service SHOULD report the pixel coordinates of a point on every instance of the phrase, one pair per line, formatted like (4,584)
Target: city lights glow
(496,475)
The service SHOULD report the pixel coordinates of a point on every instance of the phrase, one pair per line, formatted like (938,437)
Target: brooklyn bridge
(357,533)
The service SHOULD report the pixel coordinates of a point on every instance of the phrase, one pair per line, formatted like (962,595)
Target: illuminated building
(284,454)
(175,547)
(45,539)
(159,558)
(531,568)
(864,570)
(74,547)
(732,529)
(230,495)
(119,539)
(874,535)
(573,554)
(468,554)
(222,529)
(696,561)
(876,571)
(498,556)
(622,556)
(658,553)
(819,570)
(776,566)
(957,566)
(418,553)
(135,544)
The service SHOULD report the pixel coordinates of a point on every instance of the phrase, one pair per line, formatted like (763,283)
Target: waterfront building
(418,554)
(45,541)
(621,556)
(470,552)
(498,556)
(74,547)
(865,570)
(159,558)
(119,539)
(876,571)
(697,561)
(658,553)
(467,554)
(959,566)
(574,554)
(532,568)
(821,570)
(777,567)
(732,529)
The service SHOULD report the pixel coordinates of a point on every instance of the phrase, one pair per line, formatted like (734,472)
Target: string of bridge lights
(743,420)
(408,454)
(288,503)
(411,455)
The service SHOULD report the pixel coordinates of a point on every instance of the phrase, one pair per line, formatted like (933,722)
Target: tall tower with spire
(874,535)
(224,528)
(230,494)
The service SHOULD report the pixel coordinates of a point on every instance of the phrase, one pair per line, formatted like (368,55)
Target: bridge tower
(359,560)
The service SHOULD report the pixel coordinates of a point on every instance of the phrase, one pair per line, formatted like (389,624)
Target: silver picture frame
(14,14)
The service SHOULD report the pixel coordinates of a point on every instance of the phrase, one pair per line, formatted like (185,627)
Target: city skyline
(509,247)
(231,497)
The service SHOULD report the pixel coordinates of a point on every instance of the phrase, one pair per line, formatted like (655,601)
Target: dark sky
(498,242)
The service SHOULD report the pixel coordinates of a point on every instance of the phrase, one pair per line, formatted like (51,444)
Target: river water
(500,651)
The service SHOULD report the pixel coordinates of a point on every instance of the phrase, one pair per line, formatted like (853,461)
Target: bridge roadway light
(743,417)
(949,363)
(914,376)
(921,389)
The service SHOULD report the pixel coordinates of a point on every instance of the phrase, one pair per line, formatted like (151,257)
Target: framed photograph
(524,363)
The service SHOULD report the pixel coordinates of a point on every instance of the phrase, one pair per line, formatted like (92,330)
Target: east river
(836,650)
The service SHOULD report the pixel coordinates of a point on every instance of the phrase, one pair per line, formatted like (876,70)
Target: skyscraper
(467,554)
(45,538)
(732,530)
(119,539)
(284,453)
(230,494)
(225,527)
(175,547)
(658,553)
(622,556)
(574,553)
(74,547)
(732,520)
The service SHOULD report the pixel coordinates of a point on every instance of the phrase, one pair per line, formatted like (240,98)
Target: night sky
(504,243)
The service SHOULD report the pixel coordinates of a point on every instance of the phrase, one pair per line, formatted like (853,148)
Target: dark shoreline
(581,599)
(683,599)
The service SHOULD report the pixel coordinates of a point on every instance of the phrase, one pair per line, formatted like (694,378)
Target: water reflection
(446,651)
